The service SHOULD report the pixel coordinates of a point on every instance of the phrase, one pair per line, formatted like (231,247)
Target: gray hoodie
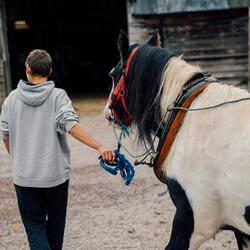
(35,118)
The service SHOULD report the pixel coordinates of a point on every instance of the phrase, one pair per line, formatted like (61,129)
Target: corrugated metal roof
(156,7)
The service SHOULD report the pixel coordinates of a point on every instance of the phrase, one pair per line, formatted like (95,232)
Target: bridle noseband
(117,97)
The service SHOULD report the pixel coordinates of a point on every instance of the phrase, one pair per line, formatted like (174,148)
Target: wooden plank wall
(2,83)
(5,80)
(216,40)
(170,6)
(248,47)
(149,7)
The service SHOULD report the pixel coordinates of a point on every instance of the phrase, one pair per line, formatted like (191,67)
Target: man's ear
(155,40)
(28,69)
(123,45)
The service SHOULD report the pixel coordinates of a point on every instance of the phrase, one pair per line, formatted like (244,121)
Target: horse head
(135,84)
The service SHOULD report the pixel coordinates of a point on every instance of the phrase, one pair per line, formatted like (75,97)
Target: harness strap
(174,122)
(130,59)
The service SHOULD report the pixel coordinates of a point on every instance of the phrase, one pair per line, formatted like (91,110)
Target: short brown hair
(40,62)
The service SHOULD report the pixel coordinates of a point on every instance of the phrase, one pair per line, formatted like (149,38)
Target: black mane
(142,83)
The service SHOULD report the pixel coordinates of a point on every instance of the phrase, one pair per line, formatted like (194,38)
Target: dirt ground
(103,213)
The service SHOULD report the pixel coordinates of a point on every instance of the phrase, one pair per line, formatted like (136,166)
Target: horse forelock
(143,84)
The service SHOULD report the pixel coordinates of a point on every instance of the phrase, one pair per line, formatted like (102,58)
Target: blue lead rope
(121,164)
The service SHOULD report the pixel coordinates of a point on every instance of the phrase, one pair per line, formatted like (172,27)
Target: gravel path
(103,213)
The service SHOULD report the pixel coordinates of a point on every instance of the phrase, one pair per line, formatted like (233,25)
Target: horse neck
(176,74)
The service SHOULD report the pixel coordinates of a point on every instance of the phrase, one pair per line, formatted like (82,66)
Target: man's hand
(107,155)
(82,135)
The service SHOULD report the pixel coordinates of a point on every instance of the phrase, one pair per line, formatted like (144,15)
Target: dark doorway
(80,36)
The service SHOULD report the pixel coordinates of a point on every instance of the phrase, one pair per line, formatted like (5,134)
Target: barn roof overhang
(159,7)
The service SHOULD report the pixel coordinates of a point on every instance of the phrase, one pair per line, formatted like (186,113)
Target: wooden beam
(249,47)
(5,48)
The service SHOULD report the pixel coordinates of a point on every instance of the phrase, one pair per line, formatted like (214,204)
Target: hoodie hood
(35,94)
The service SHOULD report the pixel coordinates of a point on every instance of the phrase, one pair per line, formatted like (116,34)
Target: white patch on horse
(210,156)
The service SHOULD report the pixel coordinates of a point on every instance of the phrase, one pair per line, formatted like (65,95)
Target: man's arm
(7,145)
(83,136)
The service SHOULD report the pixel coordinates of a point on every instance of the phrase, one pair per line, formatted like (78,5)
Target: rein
(210,107)
(118,95)
(121,164)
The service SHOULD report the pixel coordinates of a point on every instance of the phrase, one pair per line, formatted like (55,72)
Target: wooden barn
(80,36)
(5,81)
(211,33)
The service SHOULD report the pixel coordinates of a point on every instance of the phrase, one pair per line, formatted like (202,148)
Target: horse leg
(199,237)
(191,227)
(206,225)
(183,223)
(243,240)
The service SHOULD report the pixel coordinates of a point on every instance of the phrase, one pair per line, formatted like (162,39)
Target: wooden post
(249,47)
(5,48)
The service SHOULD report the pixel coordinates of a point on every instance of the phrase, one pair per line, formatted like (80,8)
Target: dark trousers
(43,212)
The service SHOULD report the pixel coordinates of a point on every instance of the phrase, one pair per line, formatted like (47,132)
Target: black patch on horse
(183,224)
(241,238)
(247,214)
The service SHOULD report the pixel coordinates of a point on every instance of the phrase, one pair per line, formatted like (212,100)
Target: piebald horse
(207,169)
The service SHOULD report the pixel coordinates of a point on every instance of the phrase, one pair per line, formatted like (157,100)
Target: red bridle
(118,94)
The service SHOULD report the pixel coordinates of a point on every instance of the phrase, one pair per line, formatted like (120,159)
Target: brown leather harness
(174,121)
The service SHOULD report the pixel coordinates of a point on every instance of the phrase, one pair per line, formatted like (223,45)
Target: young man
(34,120)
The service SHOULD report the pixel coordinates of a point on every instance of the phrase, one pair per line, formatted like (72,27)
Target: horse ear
(155,40)
(123,45)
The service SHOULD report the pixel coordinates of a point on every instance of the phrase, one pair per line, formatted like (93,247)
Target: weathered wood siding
(2,83)
(3,91)
(149,7)
(215,40)
(5,79)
